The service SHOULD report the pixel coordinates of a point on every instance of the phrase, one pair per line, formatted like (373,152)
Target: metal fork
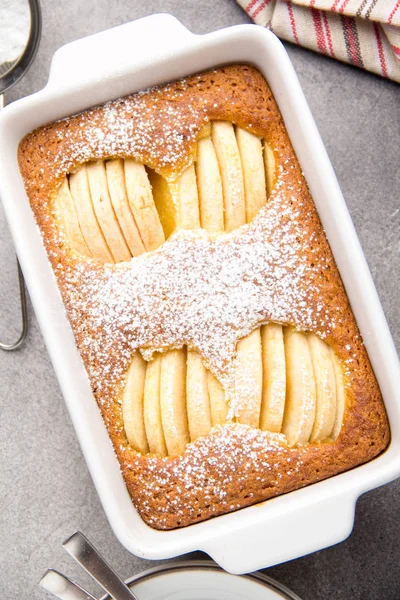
(79,547)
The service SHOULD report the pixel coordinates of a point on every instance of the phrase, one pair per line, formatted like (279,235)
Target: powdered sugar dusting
(128,127)
(201,469)
(195,291)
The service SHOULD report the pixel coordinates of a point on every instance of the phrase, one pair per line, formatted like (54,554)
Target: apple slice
(93,235)
(132,405)
(251,154)
(218,403)
(142,205)
(152,407)
(104,211)
(197,397)
(173,401)
(163,200)
(211,198)
(274,378)
(298,420)
(340,395)
(187,200)
(248,379)
(116,186)
(269,164)
(226,147)
(65,213)
(205,131)
(325,387)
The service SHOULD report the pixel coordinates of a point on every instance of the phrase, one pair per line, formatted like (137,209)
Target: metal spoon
(62,587)
(10,73)
(91,560)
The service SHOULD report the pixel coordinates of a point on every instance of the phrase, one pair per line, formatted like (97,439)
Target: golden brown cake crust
(235,465)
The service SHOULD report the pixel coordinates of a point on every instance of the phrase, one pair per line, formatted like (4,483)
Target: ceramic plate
(198,580)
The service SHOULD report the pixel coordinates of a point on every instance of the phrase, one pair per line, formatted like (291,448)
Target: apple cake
(203,296)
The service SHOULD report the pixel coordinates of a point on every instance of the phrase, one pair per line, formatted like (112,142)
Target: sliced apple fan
(116,209)
(287,382)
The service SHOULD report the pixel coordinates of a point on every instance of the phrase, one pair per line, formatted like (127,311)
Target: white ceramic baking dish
(117,62)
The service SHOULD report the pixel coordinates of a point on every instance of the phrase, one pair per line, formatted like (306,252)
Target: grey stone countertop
(46,491)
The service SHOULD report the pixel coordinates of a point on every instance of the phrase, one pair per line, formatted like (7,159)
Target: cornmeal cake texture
(203,295)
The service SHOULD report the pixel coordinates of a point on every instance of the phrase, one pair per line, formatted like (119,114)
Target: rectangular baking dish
(133,57)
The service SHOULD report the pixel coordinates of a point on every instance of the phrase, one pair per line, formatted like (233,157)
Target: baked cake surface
(203,292)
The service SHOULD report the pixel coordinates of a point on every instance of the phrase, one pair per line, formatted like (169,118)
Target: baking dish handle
(113,51)
(277,538)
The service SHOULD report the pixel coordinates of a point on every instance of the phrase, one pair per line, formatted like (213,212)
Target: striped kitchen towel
(364,33)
